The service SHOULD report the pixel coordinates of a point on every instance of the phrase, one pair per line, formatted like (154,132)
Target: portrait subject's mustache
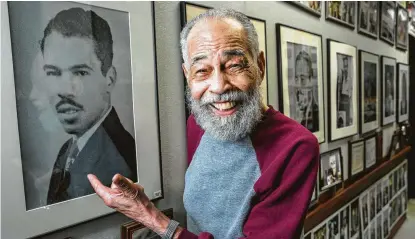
(67,100)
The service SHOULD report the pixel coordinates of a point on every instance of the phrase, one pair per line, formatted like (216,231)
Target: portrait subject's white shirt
(81,141)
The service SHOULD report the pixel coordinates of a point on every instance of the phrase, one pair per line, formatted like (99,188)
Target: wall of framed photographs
(314,23)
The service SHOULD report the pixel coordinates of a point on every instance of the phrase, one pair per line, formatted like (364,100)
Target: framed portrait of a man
(364,209)
(354,219)
(81,89)
(379,198)
(333,227)
(343,90)
(388,90)
(331,169)
(402,87)
(387,22)
(356,158)
(368,18)
(313,7)
(301,78)
(188,11)
(402,20)
(369,92)
(344,222)
(385,222)
(343,12)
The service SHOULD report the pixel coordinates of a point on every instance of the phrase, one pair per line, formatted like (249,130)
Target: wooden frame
(369,126)
(402,20)
(28,223)
(334,50)
(390,118)
(363,31)
(399,92)
(128,229)
(339,161)
(389,19)
(304,7)
(189,10)
(356,147)
(339,20)
(288,38)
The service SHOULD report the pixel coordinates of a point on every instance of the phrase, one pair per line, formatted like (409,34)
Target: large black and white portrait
(74,99)
(344,223)
(387,22)
(343,12)
(331,172)
(368,15)
(301,78)
(388,90)
(369,92)
(370,151)
(342,90)
(354,219)
(403,92)
(402,20)
(81,88)
(333,228)
(364,210)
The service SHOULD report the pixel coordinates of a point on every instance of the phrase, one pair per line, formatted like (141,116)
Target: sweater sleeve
(279,212)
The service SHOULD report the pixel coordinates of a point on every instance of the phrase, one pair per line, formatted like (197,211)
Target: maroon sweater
(287,155)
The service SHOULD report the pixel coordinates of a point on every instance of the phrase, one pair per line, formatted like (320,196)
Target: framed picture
(404,198)
(379,198)
(394,147)
(82,99)
(402,87)
(344,222)
(188,11)
(343,12)
(390,186)
(354,219)
(388,90)
(369,92)
(331,169)
(333,227)
(368,17)
(313,7)
(342,88)
(385,223)
(136,230)
(402,20)
(385,190)
(321,231)
(356,158)
(301,78)
(372,203)
(387,22)
(379,229)
(370,151)
(372,229)
(364,210)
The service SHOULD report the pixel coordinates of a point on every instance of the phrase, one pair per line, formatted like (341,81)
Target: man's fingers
(127,186)
(101,190)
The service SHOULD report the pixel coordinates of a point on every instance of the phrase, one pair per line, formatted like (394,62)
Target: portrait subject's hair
(76,22)
(222,14)
(306,57)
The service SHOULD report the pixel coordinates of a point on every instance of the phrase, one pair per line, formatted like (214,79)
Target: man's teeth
(224,105)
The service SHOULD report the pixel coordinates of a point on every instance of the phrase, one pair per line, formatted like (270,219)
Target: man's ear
(261,64)
(111,77)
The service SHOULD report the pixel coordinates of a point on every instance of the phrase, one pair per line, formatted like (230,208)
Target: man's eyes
(75,73)
(81,73)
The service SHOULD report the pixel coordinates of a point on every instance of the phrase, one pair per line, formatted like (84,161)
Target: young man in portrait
(77,50)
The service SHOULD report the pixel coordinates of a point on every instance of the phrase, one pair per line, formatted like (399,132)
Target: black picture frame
(370,126)
(399,117)
(306,8)
(353,176)
(183,22)
(387,120)
(337,20)
(385,6)
(354,218)
(359,19)
(321,185)
(401,10)
(366,139)
(331,127)
(282,92)
(393,149)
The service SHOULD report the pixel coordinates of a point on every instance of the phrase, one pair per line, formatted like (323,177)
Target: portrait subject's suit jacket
(110,150)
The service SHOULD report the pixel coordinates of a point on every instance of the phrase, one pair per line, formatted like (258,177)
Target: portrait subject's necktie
(73,153)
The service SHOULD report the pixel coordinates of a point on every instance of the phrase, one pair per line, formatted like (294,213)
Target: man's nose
(69,85)
(219,83)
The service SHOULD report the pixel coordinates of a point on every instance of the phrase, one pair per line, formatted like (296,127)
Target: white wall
(171,96)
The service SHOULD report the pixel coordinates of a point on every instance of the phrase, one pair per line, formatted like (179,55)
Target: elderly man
(251,170)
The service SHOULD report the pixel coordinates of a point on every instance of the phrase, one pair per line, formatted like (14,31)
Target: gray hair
(221,14)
